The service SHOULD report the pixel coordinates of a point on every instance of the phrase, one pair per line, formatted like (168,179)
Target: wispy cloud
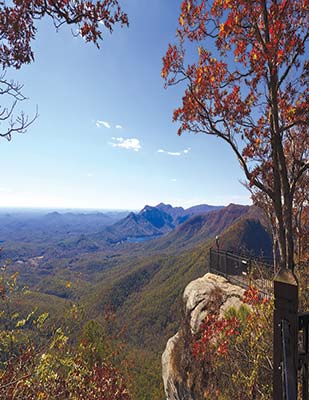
(128,144)
(173,180)
(175,153)
(100,123)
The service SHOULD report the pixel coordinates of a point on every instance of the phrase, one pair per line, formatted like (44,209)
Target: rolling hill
(141,282)
(145,290)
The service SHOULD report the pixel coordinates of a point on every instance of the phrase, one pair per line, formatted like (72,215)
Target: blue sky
(104,137)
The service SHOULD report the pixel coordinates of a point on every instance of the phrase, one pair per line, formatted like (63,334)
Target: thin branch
(228,139)
(292,62)
(301,171)
(14,382)
(19,125)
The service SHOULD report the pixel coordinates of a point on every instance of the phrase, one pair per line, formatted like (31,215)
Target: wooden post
(286,309)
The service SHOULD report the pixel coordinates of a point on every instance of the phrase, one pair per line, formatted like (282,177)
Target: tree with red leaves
(226,341)
(18,30)
(248,85)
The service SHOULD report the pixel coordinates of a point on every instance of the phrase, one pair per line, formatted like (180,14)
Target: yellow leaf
(20,323)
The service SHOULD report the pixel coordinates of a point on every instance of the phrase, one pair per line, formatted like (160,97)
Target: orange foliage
(247,84)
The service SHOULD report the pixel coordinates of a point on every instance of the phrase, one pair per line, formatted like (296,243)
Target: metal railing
(243,270)
(291,329)
(303,353)
(289,375)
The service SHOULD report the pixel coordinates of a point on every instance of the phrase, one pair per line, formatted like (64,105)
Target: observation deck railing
(243,270)
(291,329)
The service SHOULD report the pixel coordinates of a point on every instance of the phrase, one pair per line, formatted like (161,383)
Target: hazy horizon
(101,210)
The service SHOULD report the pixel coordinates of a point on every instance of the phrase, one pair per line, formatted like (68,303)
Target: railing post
(225,264)
(303,319)
(210,260)
(286,309)
(249,271)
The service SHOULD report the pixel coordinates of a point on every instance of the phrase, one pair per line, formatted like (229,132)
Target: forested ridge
(132,288)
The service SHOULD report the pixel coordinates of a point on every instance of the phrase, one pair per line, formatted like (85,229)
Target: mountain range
(151,222)
(145,289)
(136,265)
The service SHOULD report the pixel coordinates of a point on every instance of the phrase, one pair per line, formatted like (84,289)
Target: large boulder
(185,376)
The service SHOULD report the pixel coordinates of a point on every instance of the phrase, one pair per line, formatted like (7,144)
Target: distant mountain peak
(159,220)
(54,214)
(146,208)
(163,205)
(131,215)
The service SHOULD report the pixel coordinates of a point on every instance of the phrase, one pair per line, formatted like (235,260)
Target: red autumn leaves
(217,333)
(17,23)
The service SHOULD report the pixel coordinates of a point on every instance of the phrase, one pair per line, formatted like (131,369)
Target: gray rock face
(185,376)
(167,366)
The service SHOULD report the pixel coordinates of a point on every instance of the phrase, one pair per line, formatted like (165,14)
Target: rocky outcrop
(185,377)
